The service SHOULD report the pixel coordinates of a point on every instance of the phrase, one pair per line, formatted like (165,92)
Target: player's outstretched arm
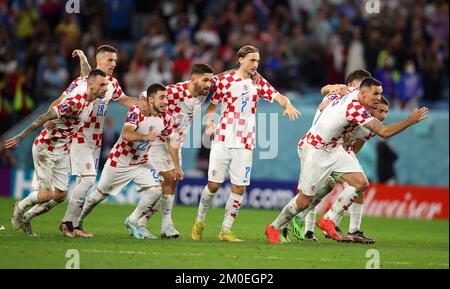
(128,101)
(289,109)
(38,122)
(85,68)
(386,131)
(333,87)
(129,133)
(357,145)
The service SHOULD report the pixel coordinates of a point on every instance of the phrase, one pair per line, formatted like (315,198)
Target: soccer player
(353,146)
(184,101)
(128,160)
(86,144)
(322,154)
(330,92)
(51,147)
(235,136)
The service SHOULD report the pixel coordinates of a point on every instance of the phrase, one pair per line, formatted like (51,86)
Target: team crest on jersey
(246,87)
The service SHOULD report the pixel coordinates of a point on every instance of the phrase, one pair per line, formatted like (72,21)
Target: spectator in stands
(409,88)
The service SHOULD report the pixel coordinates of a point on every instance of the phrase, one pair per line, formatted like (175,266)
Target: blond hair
(247,49)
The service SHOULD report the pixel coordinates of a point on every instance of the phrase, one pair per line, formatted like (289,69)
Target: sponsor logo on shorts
(88,166)
(214,173)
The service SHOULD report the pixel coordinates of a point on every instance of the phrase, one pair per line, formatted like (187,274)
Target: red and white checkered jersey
(92,130)
(239,100)
(359,133)
(331,97)
(340,117)
(182,106)
(127,153)
(72,112)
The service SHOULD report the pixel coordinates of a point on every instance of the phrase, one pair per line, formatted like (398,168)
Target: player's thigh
(61,172)
(241,167)
(350,169)
(43,168)
(219,162)
(145,176)
(114,179)
(159,158)
(84,159)
(316,166)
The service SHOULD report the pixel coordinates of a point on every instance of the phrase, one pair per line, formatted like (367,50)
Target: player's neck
(191,89)
(243,74)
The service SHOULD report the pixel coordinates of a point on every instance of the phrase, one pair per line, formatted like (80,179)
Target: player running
(87,142)
(51,147)
(235,136)
(184,101)
(322,154)
(353,146)
(128,160)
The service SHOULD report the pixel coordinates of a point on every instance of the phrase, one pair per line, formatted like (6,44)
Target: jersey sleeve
(357,114)
(218,89)
(70,106)
(75,87)
(266,90)
(118,92)
(134,117)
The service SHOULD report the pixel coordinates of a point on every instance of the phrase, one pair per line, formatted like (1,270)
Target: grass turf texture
(401,243)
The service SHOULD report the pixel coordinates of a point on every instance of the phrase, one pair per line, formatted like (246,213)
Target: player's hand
(347,138)
(49,125)
(12,142)
(179,174)
(342,90)
(78,53)
(256,78)
(291,112)
(152,136)
(210,127)
(418,115)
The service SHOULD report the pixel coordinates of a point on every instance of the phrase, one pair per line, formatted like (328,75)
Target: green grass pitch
(400,243)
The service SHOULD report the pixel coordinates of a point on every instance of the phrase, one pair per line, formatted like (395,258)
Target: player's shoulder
(136,108)
(177,87)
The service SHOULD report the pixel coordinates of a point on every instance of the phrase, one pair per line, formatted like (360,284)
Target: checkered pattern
(356,113)
(127,153)
(74,85)
(92,129)
(70,118)
(239,99)
(317,141)
(182,106)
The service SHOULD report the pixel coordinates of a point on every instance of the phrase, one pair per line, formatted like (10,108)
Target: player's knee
(303,201)
(239,190)
(213,187)
(60,196)
(361,185)
(86,182)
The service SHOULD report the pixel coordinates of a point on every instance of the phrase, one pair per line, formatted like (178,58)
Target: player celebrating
(86,144)
(234,137)
(322,154)
(128,160)
(184,100)
(353,146)
(51,147)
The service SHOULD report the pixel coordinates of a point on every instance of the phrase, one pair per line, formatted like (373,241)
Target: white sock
(76,202)
(30,200)
(205,203)
(91,201)
(147,201)
(144,220)
(288,212)
(344,200)
(310,220)
(338,218)
(166,209)
(231,210)
(38,209)
(356,213)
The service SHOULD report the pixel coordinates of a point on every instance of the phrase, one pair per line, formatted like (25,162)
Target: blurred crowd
(304,44)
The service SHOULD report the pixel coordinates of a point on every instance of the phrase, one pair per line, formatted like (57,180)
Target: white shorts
(84,159)
(50,170)
(238,163)
(160,159)
(114,179)
(317,164)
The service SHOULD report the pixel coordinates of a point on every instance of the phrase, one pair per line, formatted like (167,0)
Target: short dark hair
(154,88)
(201,68)
(357,75)
(105,48)
(369,82)
(384,100)
(96,72)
